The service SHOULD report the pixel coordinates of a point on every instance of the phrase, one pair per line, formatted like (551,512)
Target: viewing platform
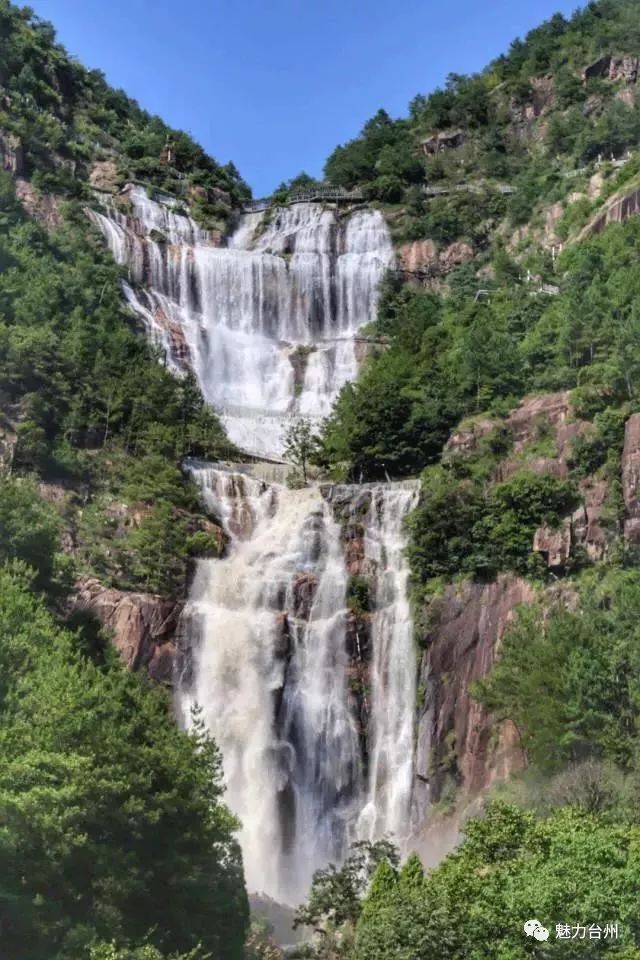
(319,194)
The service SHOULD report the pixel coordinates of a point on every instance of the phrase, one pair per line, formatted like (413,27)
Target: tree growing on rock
(300,448)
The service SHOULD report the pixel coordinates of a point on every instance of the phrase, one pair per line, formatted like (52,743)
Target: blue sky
(275,85)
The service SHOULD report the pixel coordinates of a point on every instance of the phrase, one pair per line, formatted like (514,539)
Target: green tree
(300,446)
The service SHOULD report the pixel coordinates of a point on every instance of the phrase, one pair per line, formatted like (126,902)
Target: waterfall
(267,322)
(271,673)
(310,700)
(393,668)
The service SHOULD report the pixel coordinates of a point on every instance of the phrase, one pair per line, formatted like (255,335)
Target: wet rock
(304,591)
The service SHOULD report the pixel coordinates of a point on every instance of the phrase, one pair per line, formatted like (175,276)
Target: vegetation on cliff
(515,162)
(115,841)
(67,117)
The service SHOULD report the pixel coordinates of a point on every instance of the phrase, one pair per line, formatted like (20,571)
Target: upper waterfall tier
(268,322)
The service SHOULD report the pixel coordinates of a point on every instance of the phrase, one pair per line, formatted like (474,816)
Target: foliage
(451,356)
(29,528)
(568,678)
(300,445)
(462,526)
(67,117)
(335,899)
(511,866)
(97,409)
(93,767)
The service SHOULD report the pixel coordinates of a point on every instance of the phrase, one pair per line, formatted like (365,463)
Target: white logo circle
(533,928)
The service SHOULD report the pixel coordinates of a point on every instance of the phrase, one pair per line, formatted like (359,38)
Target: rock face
(422,255)
(554,544)
(143,626)
(631,477)
(104,177)
(44,207)
(418,255)
(552,408)
(458,744)
(613,67)
(11,154)
(620,208)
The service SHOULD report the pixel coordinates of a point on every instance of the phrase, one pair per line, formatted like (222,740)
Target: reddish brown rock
(418,255)
(554,544)
(620,208)
(455,254)
(631,474)
(467,436)
(104,177)
(543,466)
(524,422)
(458,738)
(304,591)
(143,625)
(594,536)
(41,206)
(11,154)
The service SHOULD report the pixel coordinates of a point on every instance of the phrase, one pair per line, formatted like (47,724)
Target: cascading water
(393,668)
(272,671)
(268,322)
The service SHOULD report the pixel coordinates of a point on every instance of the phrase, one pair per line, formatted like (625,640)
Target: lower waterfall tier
(303,663)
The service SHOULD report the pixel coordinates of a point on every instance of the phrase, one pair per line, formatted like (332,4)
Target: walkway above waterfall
(320,194)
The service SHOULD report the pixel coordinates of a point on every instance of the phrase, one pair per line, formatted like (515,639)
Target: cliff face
(143,626)
(460,749)
(458,744)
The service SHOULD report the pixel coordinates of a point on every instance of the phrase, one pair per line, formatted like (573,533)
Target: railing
(256,206)
(317,194)
(615,162)
(504,188)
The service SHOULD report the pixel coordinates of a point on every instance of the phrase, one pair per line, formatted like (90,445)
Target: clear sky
(275,85)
